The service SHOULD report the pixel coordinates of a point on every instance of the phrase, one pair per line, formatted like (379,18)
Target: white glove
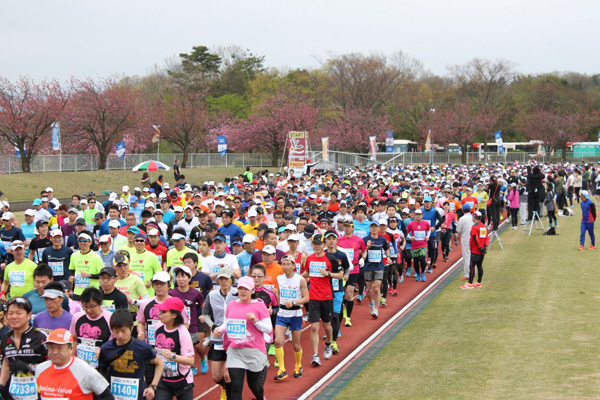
(361,262)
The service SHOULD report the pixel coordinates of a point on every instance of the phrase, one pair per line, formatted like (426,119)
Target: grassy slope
(531,332)
(28,186)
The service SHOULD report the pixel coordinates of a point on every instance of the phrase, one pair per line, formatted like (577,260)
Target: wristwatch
(173,357)
(154,387)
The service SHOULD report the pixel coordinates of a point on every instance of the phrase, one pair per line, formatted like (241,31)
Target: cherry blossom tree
(458,123)
(268,126)
(184,120)
(101,114)
(27,112)
(555,128)
(351,129)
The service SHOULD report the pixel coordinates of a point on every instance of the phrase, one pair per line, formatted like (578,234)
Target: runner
(321,268)
(21,349)
(356,250)
(293,292)
(54,317)
(331,241)
(214,316)
(377,247)
(90,327)
(418,234)
(174,345)
(220,259)
(112,298)
(85,266)
(463,228)
(588,216)
(18,275)
(122,361)
(58,257)
(144,263)
(478,243)
(131,285)
(246,320)
(64,375)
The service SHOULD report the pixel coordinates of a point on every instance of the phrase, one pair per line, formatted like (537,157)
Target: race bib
(23,388)
(17,278)
(124,388)
(470,204)
(420,235)
(374,256)
(298,267)
(140,274)
(314,268)
(216,268)
(159,257)
(187,312)
(361,234)
(57,268)
(236,328)
(270,287)
(228,240)
(452,206)
(81,282)
(152,332)
(335,284)
(39,253)
(350,253)
(86,350)
(482,232)
(109,307)
(170,369)
(218,346)
(287,294)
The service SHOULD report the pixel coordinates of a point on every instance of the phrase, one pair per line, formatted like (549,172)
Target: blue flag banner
(389,141)
(499,142)
(222,145)
(120,150)
(56,136)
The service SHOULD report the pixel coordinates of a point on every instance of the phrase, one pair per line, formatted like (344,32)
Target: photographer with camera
(478,243)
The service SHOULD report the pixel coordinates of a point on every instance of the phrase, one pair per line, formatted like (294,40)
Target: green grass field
(28,186)
(530,333)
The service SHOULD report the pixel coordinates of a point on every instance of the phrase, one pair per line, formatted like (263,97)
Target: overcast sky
(57,39)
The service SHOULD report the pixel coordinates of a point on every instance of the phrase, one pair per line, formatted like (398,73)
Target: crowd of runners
(131,297)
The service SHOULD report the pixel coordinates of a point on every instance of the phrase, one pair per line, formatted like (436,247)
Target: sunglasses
(140,241)
(257,276)
(83,240)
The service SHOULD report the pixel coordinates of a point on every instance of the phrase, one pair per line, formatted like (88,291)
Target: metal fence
(340,159)
(89,162)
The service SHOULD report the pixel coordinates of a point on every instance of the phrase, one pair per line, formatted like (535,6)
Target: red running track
(363,326)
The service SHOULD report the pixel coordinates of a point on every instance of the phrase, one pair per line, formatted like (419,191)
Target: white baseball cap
(125,188)
(248,238)
(114,224)
(29,212)
(269,249)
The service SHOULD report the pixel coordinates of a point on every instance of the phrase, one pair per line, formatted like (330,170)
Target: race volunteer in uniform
(64,376)
(175,348)
(18,275)
(90,327)
(58,257)
(22,348)
(112,298)
(122,361)
(85,266)
(293,293)
(320,268)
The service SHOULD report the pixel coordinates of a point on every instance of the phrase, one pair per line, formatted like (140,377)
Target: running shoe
(281,376)
(334,347)
(339,333)
(415,274)
(271,351)
(581,248)
(464,278)
(408,271)
(445,259)
(592,247)
(276,363)
(456,242)
(298,373)
(434,266)
(305,318)
(359,299)
(395,293)
(372,309)
(430,270)
(467,286)
(390,290)
(375,314)
(423,277)
(348,322)
(316,361)
(204,365)
(418,278)
(478,284)
(328,352)
(194,371)
(401,279)
(383,302)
